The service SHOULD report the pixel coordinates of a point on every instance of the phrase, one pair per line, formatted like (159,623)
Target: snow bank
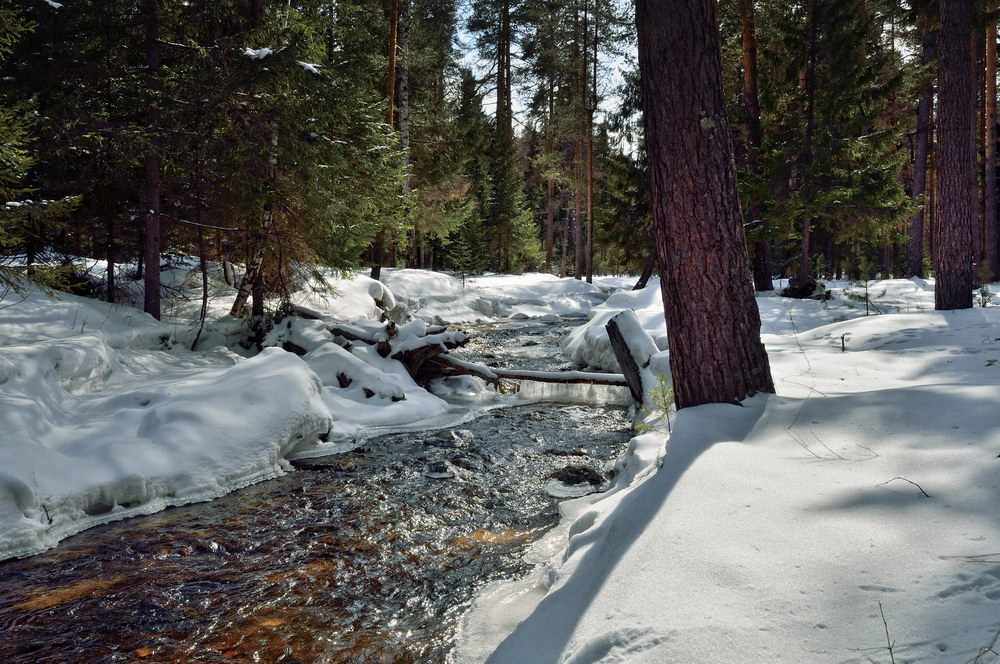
(105,414)
(782,529)
(588,344)
(440,298)
(76,456)
(365,393)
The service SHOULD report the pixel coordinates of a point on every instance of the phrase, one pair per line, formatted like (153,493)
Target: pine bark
(713,323)
(921,152)
(956,165)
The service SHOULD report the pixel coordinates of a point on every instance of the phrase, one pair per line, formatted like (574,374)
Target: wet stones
(440,470)
(447,438)
(576,474)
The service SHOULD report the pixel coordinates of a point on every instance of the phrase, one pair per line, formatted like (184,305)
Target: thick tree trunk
(761,248)
(716,354)
(991,249)
(956,165)
(151,189)
(915,256)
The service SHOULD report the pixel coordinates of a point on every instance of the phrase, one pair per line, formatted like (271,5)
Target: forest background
(500,135)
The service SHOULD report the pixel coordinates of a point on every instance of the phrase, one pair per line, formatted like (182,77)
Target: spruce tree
(830,158)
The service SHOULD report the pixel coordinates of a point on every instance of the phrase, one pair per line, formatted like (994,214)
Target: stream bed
(368,556)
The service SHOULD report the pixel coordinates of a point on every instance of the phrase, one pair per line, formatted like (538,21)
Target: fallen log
(566,377)
(426,356)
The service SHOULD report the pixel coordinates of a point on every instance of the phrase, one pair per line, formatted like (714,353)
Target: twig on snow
(920,488)
(889,642)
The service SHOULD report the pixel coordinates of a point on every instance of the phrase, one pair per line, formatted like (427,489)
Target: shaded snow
(774,530)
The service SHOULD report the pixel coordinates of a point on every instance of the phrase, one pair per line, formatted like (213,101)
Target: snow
(784,529)
(106,414)
(441,298)
(311,68)
(258,53)
(779,530)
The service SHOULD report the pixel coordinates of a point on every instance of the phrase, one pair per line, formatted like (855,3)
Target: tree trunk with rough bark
(956,165)
(713,323)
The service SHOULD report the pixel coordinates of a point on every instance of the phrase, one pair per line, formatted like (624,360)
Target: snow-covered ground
(784,529)
(787,528)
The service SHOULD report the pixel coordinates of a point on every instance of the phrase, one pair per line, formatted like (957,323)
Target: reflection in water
(356,558)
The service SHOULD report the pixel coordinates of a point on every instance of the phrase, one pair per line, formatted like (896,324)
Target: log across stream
(369,556)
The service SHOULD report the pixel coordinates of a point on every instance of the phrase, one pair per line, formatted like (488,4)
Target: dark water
(360,557)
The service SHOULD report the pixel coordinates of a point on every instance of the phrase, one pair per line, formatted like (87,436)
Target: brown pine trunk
(151,189)
(716,354)
(915,257)
(956,166)
(991,250)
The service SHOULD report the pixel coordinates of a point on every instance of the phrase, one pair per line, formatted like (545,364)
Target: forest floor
(849,518)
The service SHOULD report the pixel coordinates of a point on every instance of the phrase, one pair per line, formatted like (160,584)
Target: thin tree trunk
(591,105)
(151,189)
(647,271)
(915,255)
(390,92)
(565,245)
(991,250)
(404,124)
(761,248)
(378,245)
(954,258)
(716,354)
(805,263)
(550,185)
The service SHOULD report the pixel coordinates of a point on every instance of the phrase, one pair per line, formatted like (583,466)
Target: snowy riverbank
(781,530)
(786,528)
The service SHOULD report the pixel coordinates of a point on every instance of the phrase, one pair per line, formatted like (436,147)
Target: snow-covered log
(634,348)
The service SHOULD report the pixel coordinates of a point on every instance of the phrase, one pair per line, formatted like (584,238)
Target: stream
(369,556)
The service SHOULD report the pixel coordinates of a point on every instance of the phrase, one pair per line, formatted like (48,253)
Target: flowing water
(368,556)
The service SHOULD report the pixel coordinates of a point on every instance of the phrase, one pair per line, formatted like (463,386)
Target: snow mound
(589,346)
(76,456)
(441,298)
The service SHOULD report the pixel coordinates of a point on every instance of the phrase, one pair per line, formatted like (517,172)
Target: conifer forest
(501,135)
(499,331)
